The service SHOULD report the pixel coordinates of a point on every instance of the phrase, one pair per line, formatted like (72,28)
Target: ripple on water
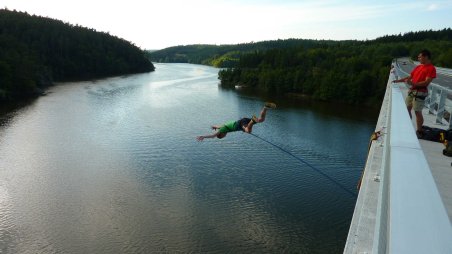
(113,166)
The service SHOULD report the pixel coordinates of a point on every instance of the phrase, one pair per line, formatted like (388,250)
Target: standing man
(421,76)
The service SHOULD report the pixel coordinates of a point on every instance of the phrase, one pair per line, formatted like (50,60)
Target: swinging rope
(309,165)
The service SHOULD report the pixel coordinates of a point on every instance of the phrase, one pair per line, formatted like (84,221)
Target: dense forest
(225,56)
(35,51)
(352,72)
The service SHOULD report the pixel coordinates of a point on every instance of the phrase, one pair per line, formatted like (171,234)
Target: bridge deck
(440,164)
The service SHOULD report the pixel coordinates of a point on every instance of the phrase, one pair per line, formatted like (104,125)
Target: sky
(157,24)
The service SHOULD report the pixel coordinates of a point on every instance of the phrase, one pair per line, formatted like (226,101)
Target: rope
(309,165)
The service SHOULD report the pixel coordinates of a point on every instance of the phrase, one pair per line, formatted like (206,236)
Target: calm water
(112,166)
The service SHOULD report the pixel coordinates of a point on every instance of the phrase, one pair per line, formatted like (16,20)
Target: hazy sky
(156,24)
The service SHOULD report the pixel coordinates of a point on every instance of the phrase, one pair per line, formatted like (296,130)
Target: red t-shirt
(421,73)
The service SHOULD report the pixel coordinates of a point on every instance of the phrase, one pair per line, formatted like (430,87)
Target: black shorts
(242,122)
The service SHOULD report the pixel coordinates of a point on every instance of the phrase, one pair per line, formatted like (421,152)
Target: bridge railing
(417,219)
(405,213)
(444,71)
(438,101)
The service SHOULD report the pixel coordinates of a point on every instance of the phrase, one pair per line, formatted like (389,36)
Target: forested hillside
(351,72)
(441,35)
(34,51)
(225,55)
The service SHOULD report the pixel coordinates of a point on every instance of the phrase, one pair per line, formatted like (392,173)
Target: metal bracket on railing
(432,101)
(441,108)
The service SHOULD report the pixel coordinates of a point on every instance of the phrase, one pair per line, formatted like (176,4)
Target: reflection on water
(112,166)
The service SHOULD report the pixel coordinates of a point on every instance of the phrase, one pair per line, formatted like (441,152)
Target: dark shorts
(242,122)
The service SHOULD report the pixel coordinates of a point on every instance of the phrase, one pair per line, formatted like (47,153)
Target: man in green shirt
(244,124)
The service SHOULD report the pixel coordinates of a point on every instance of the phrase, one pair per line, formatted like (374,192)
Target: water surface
(112,166)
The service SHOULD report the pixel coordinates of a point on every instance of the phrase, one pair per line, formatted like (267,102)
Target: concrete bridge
(405,201)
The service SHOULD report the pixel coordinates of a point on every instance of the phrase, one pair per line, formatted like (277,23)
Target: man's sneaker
(270,105)
(254,119)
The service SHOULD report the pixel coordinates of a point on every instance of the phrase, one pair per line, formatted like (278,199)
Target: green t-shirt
(228,127)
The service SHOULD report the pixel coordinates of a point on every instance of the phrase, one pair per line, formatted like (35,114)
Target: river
(113,166)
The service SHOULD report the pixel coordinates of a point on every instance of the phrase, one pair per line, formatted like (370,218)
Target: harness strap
(421,97)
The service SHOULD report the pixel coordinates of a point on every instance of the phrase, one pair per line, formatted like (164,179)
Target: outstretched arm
(405,79)
(201,138)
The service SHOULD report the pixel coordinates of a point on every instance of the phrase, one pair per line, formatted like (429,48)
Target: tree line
(224,56)
(35,51)
(352,72)
(349,72)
